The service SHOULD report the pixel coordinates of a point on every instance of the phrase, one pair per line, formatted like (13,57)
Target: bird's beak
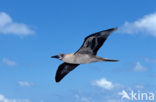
(55,56)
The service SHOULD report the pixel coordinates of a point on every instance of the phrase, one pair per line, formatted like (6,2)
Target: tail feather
(106,59)
(110,60)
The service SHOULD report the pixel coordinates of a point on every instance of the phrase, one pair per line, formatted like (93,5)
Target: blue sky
(32,31)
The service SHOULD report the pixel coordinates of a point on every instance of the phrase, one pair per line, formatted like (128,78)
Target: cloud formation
(4,99)
(8,26)
(148,60)
(8,62)
(25,83)
(103,83)
(139,68)
(145,25)
(81,98)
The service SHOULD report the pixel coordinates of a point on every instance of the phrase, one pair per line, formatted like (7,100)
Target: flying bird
(86,54)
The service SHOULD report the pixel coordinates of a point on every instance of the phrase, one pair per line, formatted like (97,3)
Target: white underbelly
(79,59)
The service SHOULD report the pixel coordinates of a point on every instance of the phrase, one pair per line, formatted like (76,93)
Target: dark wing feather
(63,70)
(93,42)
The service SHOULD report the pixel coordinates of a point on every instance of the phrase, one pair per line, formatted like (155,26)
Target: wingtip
(113,29)
(57,79)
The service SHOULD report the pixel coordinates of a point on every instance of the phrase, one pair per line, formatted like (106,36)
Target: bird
(84,55)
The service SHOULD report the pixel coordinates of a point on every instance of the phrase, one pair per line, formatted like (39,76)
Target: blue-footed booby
(86,53)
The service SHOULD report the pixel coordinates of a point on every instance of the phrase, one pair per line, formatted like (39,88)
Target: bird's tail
(110,60)
(106,59)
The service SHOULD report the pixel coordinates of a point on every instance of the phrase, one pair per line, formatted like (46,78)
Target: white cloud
(139,68)
(146,24)
(4,99)
(8,62)
(81,98)
(103,83)
(148,60)
(8,26)
(25,83)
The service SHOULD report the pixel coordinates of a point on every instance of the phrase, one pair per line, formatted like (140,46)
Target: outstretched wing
(93,42)
(63,70)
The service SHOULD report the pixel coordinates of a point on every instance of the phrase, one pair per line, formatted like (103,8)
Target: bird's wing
(63,70)
(93,42)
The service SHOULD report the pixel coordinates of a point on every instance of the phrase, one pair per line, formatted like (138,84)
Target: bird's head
(60,56)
